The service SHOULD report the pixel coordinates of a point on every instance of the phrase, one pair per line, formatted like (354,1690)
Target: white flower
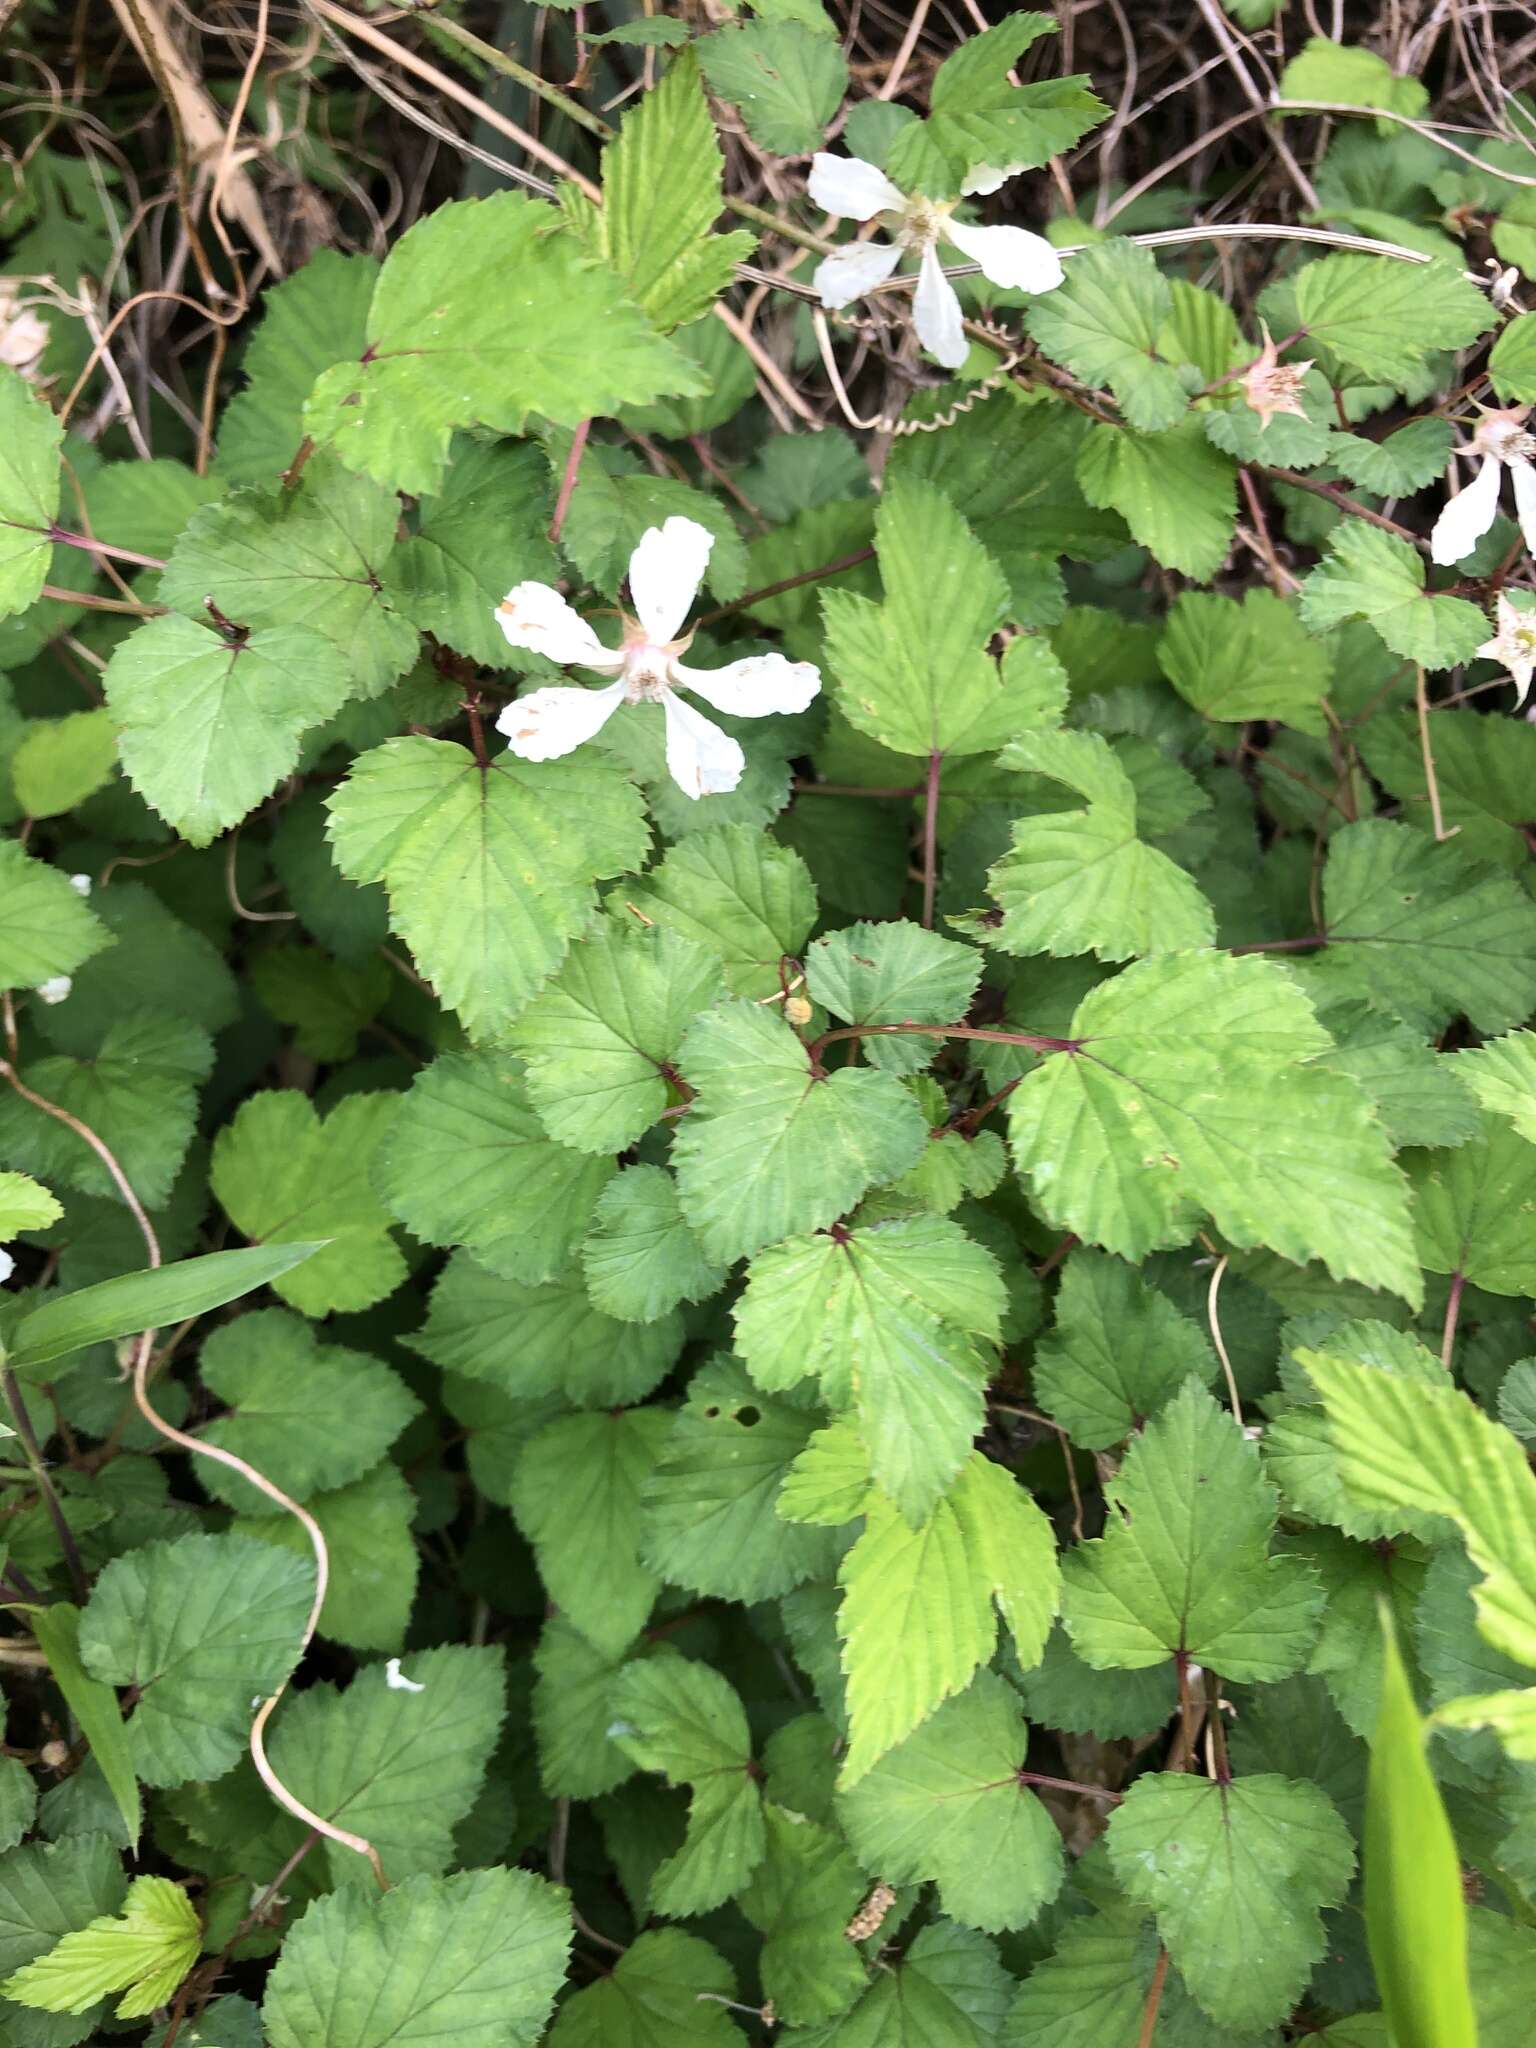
(55,989)
(854,190)
(396,1679)
(1502,443)
(23,335)
(1513,643)
(7,1264)
(665,571)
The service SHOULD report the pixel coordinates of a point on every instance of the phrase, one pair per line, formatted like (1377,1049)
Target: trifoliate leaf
(1382,317)
(49,1890)
(576,1494)
(734,892)
(532,1341)
(1502,1075)
(893,974)
(1236,661)
(1423,932)
(1183,1567)
(662,193)
(399,1765)
(769,1147)
(802,1898)
(45,928)
(668,1990)
(476,1958)
(947,1804)
(62,761)
(309,1417)
(209,724)
(1236,1874)
(24,1205)
(683,1720)
(285,1177)
(489,872)
(1082,881)
(784,81)
(143,1952)
(1405,461)
(1473,1209)
(307,556)
(202,1627)
(466,1162)
(30,438)
(640,1258)
(709,1504)
(1368,574)
(1173,490)
(896,1320)
(600,1039)
(1119,1350)
(445,348)
(949,1987)
(1186,1070)
(981,121)
(1104,321)
(916,1618)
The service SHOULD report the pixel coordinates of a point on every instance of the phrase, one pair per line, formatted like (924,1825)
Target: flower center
(922,223)
(648,663)
(1503,434)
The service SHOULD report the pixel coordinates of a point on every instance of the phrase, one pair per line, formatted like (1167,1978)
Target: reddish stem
(931,837)
(568,478)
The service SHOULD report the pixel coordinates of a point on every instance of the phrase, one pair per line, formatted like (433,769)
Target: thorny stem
(931,837)
(1154,2002)
(568,477)
(1431,780)
(101,604)
(1069,1785)
(1033,1039)
(61,534)
(768,590)
(1452,1316)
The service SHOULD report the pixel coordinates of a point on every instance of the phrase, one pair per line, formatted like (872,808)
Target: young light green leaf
(285,1177)
(640,1258)
(143,1952)
(1368,574)
(1118,1351)
(1326,70)
(30,439)
(667,1990)
(769,1146)
(916,1618)
(784,81)
(467,1162)
(201,1627)
(441,351)
(476,1957)
(1104,323)
(737,894)
(1236,661)
(1381,317)
(1183,1568)
(1082,881)
(872,974)
(209,724)
(489,873)
(683,1720)
(1173,490)
(1502,1075)
(1415,1908)
(948,1805)
(62,761)
(1183,1071)
(1236,1873)
(25,1204)
(45,928)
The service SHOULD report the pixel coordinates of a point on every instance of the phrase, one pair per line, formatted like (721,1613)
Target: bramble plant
(855,1372)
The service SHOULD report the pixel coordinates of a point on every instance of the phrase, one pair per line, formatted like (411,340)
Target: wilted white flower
(1502,443)
(854,190)
(1271,386)
(396,1679)
(55,989)
(665,571)
(1513,643)
(23,334)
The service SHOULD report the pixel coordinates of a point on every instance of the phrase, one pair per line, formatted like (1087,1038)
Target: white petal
(851,188)
(665,572)
(754,686)
(853,271)
(936,314)
(56,989)
(548,723)
(1010,257)
(1523,477)
(538,618)
(984,179)
(701,759)
(1468,516)
(7,1264)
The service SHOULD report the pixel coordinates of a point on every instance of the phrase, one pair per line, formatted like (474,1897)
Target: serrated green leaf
(892,974)
(1368,574)
(1082,881)
(1236,1874)
(1173,490)
(897,1320)
(1326,70)
(1104,324)
(327,1002)
(737,894)
(367,1528)
(143,1952)
(640,1258)
(309,1417)
(1502,1075)
(1234,662)
(1118,1351)
(25,1205)
(1186,1070)
(442,350)
(201,1627)
(950,1988)
(478,1956)
(49,1890)
(785,81)
(1408,459)
(30,438)
(668,1990)
(948,1805)
(802,1898)
(1473,1207)
(1512,361)
(489,873)
(1183,1567)
(1483,772)
(285,1177)
(768,1147)
(577,1758)
(916,1618)
(1381,317)
(62,761)
(45,928)
(1417,1091)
